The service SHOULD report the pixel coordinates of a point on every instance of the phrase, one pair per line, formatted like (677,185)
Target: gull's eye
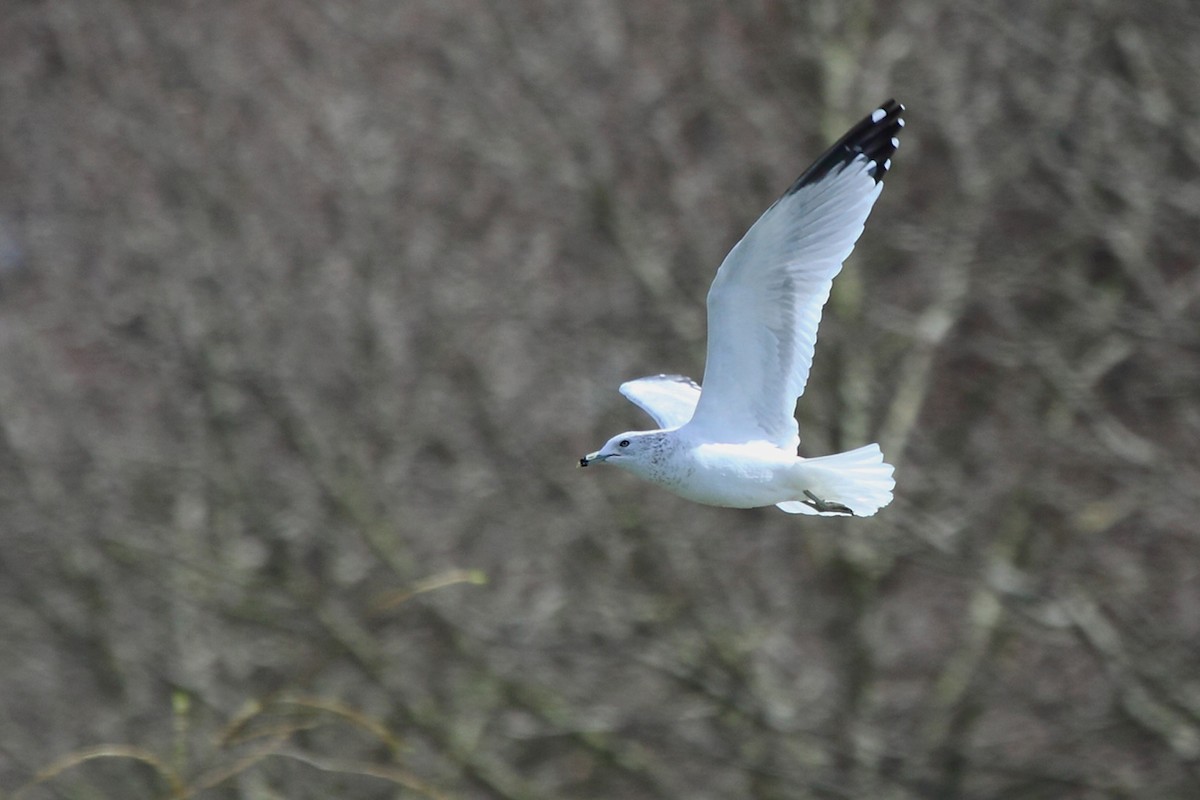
(623,443)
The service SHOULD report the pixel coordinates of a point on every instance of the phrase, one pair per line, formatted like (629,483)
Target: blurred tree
(306,308)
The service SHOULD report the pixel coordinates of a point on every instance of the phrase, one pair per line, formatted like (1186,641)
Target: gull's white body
(753,474)
(734,442)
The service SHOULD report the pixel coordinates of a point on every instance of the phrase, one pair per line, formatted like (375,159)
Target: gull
(734,443)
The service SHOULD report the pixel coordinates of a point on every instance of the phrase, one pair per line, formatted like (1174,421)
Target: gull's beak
(589,458)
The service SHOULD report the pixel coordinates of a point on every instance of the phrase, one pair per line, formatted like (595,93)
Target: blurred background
(308,310)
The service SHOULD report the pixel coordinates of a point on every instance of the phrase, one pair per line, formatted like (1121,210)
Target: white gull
(735,442)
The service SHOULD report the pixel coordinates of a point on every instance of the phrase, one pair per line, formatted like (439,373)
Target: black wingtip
(876,137)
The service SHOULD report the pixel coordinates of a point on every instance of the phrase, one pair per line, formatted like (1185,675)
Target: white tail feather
(858,479)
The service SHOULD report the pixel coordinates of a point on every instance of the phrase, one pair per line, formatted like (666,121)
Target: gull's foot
(825,505)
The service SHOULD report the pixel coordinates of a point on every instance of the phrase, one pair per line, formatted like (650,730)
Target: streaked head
(628,450)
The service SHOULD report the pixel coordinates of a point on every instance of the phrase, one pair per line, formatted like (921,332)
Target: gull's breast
(730,475)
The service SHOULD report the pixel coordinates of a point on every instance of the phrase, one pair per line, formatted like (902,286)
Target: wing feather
(765,303)
(669,399)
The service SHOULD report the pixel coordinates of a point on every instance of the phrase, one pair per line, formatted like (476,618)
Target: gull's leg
(825,505)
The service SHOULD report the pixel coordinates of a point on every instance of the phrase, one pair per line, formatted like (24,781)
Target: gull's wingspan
(670,399)
(765,303)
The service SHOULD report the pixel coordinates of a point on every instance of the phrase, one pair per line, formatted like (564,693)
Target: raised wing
(766,301)
(670,399)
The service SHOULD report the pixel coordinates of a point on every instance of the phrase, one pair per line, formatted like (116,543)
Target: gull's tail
(858,482)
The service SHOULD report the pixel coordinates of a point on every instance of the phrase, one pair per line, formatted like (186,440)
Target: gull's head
(628,450)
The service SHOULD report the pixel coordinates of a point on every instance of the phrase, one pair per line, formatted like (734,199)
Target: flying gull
(735,442)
